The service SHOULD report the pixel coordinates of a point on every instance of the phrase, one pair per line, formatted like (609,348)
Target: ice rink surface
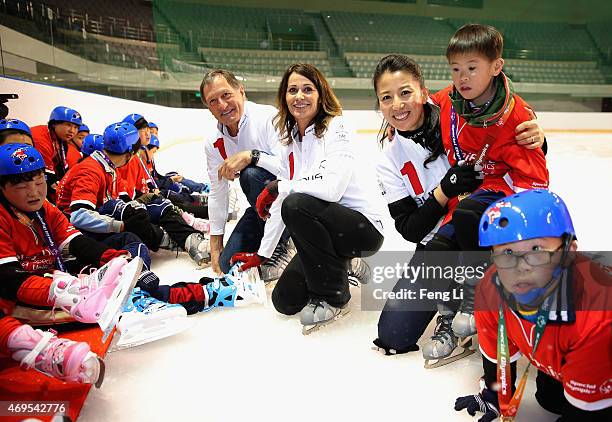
(253,364)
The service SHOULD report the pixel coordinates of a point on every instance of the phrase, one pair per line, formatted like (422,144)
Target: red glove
(266,198)
(111,254)
(249,260)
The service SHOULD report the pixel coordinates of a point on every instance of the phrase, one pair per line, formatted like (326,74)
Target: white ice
(254,364)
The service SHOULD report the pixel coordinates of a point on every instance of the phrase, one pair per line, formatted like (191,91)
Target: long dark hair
(329,106)
(431,126)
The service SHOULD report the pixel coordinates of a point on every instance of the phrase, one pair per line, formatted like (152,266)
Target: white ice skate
(197,246)
(319,313)
(273,268)
(146,319)
(464,323)
(443,347)
(359,272)
(127,280)
(250,289)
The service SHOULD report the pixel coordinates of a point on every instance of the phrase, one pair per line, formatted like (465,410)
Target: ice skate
(146,319)
(273,268)
(197,246)
(464,324)
(200,224)
(319,313)
(64,359)
(97,297)
(236,289)
(439,350)
(232,209)
(126,282)
(359,272)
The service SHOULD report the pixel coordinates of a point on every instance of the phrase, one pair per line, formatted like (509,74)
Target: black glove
(460,179)
(485,402)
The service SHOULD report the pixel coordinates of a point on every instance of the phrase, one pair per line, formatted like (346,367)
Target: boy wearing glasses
(543,300)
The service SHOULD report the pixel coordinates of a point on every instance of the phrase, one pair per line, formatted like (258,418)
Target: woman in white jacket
(329,201)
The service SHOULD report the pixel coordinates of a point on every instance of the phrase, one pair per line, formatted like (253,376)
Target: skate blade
(121,294)
(466,344)
(255,286)
(139,335)
(309,329)
(102,370)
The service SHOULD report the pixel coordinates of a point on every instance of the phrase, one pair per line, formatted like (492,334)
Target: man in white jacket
(246,147)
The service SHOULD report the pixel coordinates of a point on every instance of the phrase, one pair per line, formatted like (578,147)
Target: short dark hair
(210,76)
(13,179)
(476,38)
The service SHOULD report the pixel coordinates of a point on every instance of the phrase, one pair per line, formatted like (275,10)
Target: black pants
(200,211)
(326,235)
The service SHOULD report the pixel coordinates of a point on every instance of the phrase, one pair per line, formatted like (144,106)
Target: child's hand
(529,134)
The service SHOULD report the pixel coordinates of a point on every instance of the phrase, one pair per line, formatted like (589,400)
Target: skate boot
(232,209)
(236,288)
(319,313)
(442,344)
(359,272)
(197,246)
(64,359)
(200,224)
(146,319)
(85,297)
(273,268)
(464,324)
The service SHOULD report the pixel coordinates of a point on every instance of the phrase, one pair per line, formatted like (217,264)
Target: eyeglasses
(510,259)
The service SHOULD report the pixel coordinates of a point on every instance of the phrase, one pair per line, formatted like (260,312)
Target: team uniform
(330,204)
(255,131)
(578,330)
(403,174)
(89,185)
(136,177)
(507,166)
(59,156)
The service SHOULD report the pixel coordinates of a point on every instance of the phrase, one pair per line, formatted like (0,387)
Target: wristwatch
(255,157)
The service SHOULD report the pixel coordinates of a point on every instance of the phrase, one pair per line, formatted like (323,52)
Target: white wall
(186,125)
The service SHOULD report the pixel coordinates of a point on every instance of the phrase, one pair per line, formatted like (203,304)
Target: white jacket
(255,131)
(402,174)
(329,168)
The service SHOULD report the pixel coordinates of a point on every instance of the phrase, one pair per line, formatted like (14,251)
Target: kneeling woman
(329,201)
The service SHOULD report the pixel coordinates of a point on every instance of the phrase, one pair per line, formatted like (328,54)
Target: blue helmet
(65,114)
(15,124)
(120,137)
(526,215)
(153,125)
(135,118)
(154,142)
(91,143)
(84,128)
(19,159)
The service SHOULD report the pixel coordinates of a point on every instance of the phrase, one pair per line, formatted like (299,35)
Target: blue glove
(485,402)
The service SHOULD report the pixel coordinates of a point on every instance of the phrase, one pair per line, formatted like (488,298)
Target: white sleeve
(273,229)
(270,159)
(332,178)
(391,180)
(218,199)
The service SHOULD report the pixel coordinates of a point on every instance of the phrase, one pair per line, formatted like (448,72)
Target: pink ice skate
(60,358)
(86,297)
